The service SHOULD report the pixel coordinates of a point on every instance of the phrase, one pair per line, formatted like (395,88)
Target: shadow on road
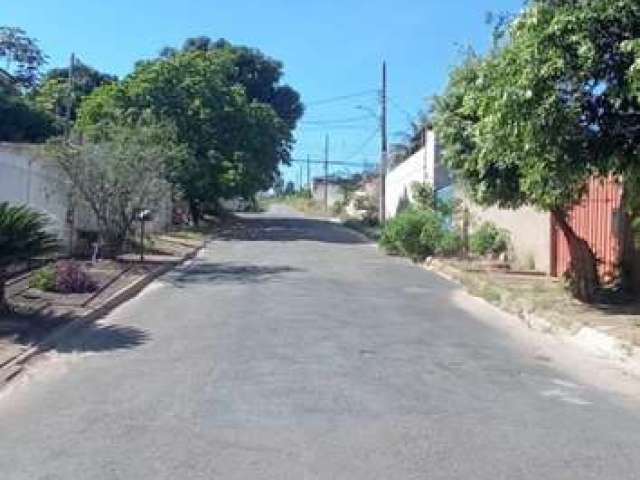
(101,338)
(274,229)
(24,331)
(212,273)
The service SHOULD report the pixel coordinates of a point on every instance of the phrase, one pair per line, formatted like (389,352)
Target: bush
(71,278)
(43,279)
(489,239)
(423,195)
(413,233)
(450,244)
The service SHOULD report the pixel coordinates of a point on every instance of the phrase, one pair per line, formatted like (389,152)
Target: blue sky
(329,48)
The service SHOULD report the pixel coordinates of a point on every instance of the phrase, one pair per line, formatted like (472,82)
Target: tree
(235,141)
(258,74)
(22,56)
(544,110)
(20,121)
(23,235)
(53,95)
(119,174)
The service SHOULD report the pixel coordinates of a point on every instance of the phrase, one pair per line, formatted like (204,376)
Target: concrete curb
(595,341)
(12,368)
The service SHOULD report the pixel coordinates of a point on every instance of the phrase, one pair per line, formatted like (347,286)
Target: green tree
(235,141)
(259,74)
(547,108)
(22,57)
(119,174)
(20,121)
(52,93)
(23,235)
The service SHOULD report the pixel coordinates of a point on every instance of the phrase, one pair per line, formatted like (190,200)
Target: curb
(12,368)
(594,341)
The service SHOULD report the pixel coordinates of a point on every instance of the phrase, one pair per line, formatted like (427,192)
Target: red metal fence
(594,220)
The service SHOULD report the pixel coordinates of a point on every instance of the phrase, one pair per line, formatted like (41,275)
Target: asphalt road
(294,350)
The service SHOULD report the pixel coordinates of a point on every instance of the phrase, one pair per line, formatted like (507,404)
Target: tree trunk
(583,268)
(194,209)
(627,255)
(4,304)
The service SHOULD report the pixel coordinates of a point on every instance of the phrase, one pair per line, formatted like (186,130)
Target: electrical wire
(340,98)
(336,121)
(363,145)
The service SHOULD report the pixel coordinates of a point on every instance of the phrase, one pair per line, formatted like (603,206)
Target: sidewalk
(543,304)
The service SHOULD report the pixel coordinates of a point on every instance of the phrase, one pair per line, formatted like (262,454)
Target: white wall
(423,166)
(28,178)
(25,178)
(335,192)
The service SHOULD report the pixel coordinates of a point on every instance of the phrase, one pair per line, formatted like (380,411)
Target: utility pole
(309,172)
(326,173)
(70,95)
(300,178)
(383,141)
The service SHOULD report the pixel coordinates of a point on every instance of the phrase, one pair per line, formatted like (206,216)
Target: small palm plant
(23,235)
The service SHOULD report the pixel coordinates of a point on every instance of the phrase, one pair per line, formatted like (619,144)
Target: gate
(595,220)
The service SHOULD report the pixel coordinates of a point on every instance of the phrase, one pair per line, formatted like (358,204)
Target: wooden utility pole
(309,172)
(326,173)
(70,94)
(383,142)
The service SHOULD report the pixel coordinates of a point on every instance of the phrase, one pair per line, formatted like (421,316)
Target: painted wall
(530,232)
(25,178)
(335,192)
(422,166)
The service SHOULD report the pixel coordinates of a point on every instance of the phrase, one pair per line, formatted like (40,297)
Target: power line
(364,144)
(336,121)
(332,162)
(340,98)
(402,110)
(336,127)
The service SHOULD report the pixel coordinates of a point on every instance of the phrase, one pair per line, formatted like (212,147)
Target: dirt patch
(535,297)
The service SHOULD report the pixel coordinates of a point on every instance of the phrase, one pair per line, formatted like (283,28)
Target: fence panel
(593,219)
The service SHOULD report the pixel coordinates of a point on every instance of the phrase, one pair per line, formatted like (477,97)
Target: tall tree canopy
(548,107)
(20,120)
(22,57)
(53,95)
(228,108)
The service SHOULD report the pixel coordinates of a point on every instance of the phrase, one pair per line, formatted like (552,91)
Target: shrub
(489,239)
(43,279)
(423,195)
(71,278)
(413,233)
(450,243)
(23,235)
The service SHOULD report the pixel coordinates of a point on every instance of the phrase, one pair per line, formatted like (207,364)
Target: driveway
(293,349)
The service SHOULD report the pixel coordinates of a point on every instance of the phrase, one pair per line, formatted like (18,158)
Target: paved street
(295,350)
